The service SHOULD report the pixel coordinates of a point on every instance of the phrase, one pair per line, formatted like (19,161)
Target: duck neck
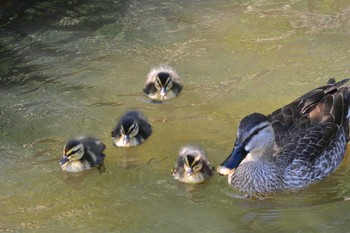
(258,173)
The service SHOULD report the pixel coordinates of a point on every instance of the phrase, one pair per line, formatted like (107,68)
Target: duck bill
(126,139)
(189,173)
(232,161)
(64,160)
(163,92)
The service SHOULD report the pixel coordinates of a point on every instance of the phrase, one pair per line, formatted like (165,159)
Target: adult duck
(293,147)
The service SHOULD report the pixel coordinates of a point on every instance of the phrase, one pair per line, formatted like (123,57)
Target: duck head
(163,83)
(72,151)
(129,129)
(255,136)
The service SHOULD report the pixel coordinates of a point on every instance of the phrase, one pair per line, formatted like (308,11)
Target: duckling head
(163,83)
(192,164)
(72,151)
(129,129)
(255,139)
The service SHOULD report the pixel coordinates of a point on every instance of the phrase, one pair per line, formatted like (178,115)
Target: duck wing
(295,114)
(145,128)
(306,127)
(96,147)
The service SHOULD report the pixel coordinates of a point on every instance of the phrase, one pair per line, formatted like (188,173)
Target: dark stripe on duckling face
(192,164)
(73,151)
(70,145)
(163,83)
(129,131)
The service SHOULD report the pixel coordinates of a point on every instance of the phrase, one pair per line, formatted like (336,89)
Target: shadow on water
(22,21)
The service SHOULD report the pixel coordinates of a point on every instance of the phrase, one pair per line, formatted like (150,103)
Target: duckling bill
(293,147)
(192,166)
(131,130)
(162,83)
(81,154)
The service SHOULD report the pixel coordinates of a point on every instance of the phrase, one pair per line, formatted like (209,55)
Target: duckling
(192,166)
(294,146)
(82,153)
(131,130)
(162,83)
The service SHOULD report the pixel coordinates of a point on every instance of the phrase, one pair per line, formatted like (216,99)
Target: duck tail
(334,106)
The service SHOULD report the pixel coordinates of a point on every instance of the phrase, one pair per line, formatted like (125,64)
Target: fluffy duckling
(162,83)
(131,130)
(192,166)
(82,153)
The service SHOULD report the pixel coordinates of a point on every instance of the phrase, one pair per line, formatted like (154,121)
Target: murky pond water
(71,68)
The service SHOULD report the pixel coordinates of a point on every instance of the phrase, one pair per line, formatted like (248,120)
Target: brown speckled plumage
(292,147)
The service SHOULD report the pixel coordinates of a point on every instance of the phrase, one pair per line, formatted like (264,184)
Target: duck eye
(255,132)
(133,130)
(169,83)
(158,83)
(195,163)
(122,132)
(71,152)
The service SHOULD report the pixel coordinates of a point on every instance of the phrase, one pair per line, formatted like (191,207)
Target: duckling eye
(71,152)
(195,163)
(168,83)
(122,132)
(158,83)
(133,130)
(197,166)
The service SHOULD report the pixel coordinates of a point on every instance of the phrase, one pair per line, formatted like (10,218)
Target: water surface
(71,68)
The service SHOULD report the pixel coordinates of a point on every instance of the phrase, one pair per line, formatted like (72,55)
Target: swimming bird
(162,83)
(192,166)
(82,153)
(294,146)
(131,130)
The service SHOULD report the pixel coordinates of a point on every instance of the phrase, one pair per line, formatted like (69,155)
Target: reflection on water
(70,68)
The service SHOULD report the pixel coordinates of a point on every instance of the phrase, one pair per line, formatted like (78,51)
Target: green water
(70,68)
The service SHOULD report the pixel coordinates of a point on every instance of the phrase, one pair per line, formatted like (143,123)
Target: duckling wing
(95,145)
(145,129)
(144,126)
(95,150)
